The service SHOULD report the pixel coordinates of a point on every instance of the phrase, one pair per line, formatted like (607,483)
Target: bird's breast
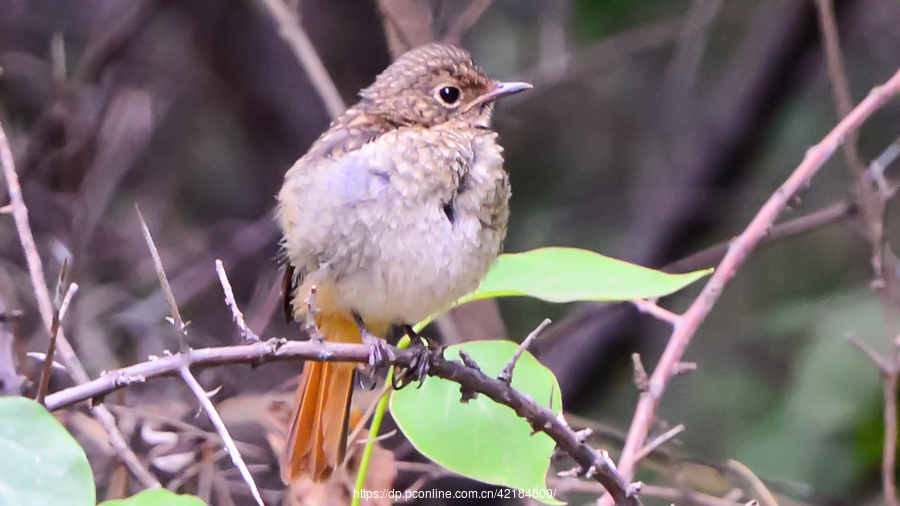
(405,225)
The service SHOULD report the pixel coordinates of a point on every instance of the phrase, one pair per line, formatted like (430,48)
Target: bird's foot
(424,350)
(380,352)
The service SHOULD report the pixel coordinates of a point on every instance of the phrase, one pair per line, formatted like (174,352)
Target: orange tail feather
(318,436)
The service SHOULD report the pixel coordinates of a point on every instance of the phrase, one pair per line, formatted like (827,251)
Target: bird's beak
(500,89)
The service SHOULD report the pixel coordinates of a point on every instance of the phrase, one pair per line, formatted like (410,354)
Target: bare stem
(45,307)
(292,32)
(217,422)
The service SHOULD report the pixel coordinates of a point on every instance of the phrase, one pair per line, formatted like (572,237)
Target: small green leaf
(569,274)
(41,464)
(158,497)
(481,439)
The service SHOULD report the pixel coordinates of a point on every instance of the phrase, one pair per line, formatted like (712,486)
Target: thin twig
(361,424)
(761,490)
(185,369)
(217,422)
(177,321)
(466,20)
(875,171)
(51,348)
(236,313)
(506,374)
(654,310)
(45,307)
(711,256)
(837,74)
(738,251)
(290,30)
(658,441)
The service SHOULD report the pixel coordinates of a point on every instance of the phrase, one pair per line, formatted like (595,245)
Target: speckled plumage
(364,211)
(394,213)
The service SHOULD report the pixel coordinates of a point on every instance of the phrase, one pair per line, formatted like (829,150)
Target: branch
(276,350)
(216,419)
(873,204)
(712,255)
(185,370)
(290,30)
(738,251)
(45,306)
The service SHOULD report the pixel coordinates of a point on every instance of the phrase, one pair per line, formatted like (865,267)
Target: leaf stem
(376,426)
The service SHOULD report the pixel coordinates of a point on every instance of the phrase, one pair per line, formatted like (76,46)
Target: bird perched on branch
(393,214)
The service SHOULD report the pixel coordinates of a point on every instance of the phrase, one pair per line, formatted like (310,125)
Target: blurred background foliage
(655,129)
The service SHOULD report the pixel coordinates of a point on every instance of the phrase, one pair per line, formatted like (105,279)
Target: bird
(393,214)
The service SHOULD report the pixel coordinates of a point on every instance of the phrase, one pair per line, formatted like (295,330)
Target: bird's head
(434,84)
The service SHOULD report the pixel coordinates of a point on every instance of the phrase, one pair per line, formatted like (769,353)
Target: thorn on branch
(466,393)
(570,473)
(468,361)
(634,488)
(683,368)
(583,435)
(507,373)
(272,345)
(641,380)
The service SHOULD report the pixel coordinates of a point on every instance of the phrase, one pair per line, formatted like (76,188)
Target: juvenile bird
(394,213)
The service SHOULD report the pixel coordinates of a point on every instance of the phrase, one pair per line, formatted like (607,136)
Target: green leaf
(158,497)
(569,274)
(41,464)
(481,439)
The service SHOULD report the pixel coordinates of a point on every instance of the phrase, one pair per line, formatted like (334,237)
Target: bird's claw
(379,351)
(420,364)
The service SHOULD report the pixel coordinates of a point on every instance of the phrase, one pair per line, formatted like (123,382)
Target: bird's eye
(449,95)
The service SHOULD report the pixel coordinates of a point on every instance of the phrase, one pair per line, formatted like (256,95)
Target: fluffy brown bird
(393,214)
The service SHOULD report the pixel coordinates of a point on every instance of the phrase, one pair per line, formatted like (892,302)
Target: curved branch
(738,250)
